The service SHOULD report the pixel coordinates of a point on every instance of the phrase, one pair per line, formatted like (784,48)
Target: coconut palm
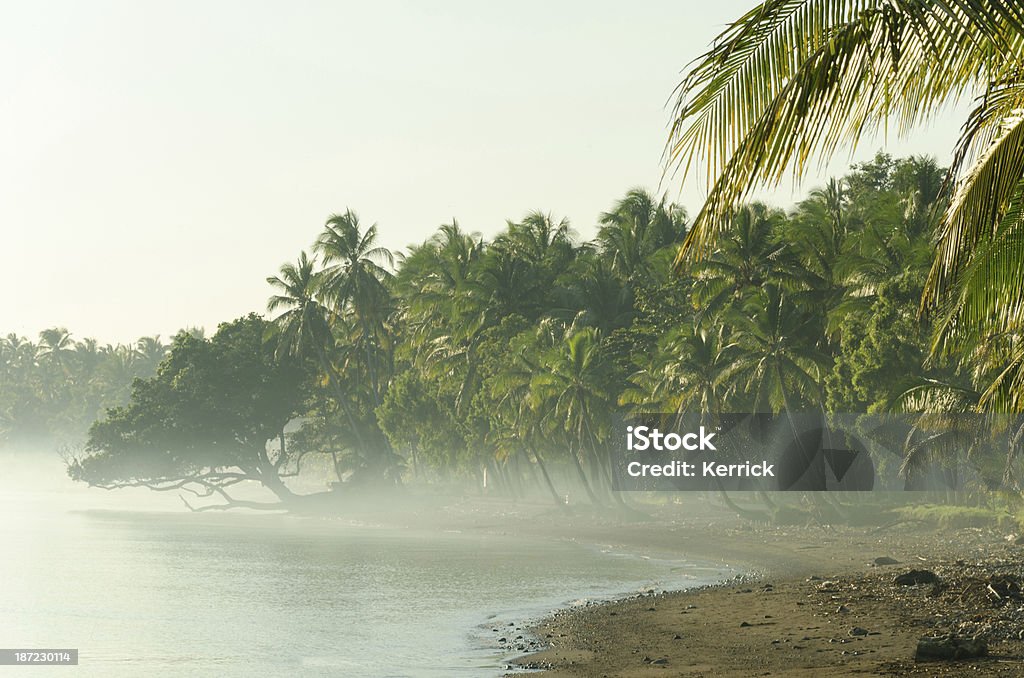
(354,279)
(518,422)
(792,80)
(149,352)
(777,363)
(87,356)
(595,296)
(749,256)
(635,228)
(571,387)
(302,325)
(444,308)
(435,279)
(685,375)
(55,348)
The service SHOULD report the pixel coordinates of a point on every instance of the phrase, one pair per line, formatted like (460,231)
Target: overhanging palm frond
(986,202)
(987,297)
(795,79)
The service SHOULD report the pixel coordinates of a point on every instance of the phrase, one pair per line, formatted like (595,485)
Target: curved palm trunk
(603,463)
(335,382)
(371,367)
(547,481)
(583,478)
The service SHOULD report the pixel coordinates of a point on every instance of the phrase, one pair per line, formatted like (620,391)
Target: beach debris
(916,577)
(947,647)
(884,560)
(842,609)
(998,589)
(744,625)
(858,631)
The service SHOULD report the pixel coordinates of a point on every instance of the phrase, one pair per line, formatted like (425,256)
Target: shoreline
(516,650)
(805,589)
(820,609)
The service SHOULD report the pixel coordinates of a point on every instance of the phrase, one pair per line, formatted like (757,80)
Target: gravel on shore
(821,606)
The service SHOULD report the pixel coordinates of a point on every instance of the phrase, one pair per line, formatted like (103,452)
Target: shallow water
(166,592)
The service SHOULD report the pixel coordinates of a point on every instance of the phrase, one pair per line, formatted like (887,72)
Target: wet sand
(812,603)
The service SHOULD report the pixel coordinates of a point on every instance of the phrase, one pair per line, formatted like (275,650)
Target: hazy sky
(159,160)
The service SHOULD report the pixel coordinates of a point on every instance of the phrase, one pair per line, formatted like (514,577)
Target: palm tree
(777,362)
(747,258)
(685,374)
(20,355)
(594,296)
(435,279)
(117,372)
(87,355)
(354,279)
(149,352)
(538,239)
(302,326)
(637,226)
(55,346)
(572,388)
(444,306)
(791,80)
(518,422)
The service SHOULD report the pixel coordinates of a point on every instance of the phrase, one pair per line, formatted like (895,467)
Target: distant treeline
(512,357)
(53,389)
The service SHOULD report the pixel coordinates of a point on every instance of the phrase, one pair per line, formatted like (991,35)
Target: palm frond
(797,79)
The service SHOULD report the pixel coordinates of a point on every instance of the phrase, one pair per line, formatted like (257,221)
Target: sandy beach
(812,601)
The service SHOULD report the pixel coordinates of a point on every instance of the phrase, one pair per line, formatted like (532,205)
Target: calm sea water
(166,592)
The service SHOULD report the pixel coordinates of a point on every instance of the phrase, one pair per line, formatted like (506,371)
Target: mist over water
(142,586)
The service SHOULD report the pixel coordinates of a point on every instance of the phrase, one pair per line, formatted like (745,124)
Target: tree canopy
(506,362)
(203,421)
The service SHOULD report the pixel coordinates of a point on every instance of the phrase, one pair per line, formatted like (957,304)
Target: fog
(139,584)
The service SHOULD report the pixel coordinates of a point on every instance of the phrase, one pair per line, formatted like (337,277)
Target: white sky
(159,160)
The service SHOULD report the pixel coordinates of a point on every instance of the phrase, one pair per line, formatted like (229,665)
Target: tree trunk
(583,478)
(551,486)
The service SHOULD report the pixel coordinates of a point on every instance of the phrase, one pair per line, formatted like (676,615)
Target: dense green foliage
(792,82)
(205,418)
(509,361)
(53,389)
